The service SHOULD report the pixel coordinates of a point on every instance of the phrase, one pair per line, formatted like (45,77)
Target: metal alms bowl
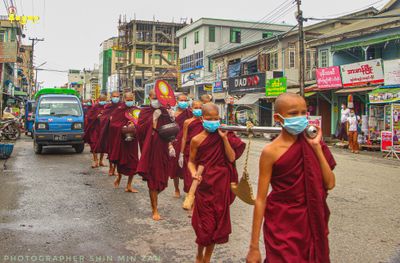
(311,131)
(129,132)
(169,131)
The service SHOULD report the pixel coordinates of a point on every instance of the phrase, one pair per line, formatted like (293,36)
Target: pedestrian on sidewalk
(345,113)
(353,122)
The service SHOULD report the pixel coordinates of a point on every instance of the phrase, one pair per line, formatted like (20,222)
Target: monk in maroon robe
(103,143)
(181,115)
(156,153)
(92,129)
(216,151)
(300,171)
(123,154)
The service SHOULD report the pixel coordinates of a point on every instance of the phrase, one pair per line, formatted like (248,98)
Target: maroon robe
(211,216)
(296,216)
(175,170)
(117,121)
(154,161)
(103,142)
(129,154)
(194,128)
(92,127)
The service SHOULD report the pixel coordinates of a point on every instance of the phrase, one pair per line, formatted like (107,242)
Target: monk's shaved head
(152,94)
(115,93)
(197,104)
(103,97)
(286,100)
(205,98)
(210,107)
(182,97)
(129,95)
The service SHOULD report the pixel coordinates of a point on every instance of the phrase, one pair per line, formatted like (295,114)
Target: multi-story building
(10,42)
(150,49)
(25,73)
(208,36)
(108,63)
(81,81)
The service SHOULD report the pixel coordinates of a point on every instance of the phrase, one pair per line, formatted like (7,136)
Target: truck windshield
(59,107)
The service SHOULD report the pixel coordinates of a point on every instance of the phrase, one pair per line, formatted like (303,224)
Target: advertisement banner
(386,141)
(329,78)
(217,87)
(276,87)
(247,84)
(392,72)
(362,73)
(384,95)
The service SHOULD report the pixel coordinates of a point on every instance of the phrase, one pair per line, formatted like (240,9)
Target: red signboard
(164,93)
(386,141)
(329,78)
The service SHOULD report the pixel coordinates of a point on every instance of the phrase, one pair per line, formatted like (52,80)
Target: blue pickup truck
(59,120)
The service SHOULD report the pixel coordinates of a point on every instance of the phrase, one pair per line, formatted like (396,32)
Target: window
(267,34)
(119,54)
(2,36)
(292,58)
(192,61)
(184,42)
(210,65)
(234,68)
(324,58)
(308,59)
(139,54)
(274,61)
(211,34)
(196,37)
(235,35)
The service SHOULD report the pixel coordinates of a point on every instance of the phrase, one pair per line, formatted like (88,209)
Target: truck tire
(79,148)
(37,148)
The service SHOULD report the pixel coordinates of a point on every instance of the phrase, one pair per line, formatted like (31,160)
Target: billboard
(392,72)
(362,73)
(276,87)
(329,78)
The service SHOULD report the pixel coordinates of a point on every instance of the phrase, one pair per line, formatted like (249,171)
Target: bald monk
(124,154)
(103,143)
(156,153)
(205,98)
(191,128)
(182,114)
(92,129)
(216,151)
(299,169)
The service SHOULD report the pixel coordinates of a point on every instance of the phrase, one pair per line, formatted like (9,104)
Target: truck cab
(59,120)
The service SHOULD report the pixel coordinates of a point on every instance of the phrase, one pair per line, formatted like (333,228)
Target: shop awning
(354,90)
(250,99)
(365,43)
(20,93)
(309,94)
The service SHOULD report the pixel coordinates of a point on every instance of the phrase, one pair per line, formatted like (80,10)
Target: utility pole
(34,42)
(300,21)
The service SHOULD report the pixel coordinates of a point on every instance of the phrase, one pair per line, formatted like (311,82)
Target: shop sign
(217,86)
(315,121)
(384,95)
(362,73)
(208,87)
(392,72)
(253,83)
(329,78)
(276,87)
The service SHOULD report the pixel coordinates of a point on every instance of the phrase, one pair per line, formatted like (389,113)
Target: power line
(351,18)
(356,10)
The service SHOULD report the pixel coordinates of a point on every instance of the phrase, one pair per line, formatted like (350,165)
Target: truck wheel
(79,148)
(37,148)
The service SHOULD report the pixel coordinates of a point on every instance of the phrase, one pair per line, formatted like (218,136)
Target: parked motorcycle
(9,129)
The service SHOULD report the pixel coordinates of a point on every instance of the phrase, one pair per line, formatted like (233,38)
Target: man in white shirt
(345,113)
(353,120)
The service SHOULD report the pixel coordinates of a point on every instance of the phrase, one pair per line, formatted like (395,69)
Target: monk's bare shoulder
(198,139)
(187,122)
(271,151)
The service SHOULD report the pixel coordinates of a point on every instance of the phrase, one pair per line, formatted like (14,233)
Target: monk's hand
(180,161)
(171,151)
(223,133)
(315,142)
(254,256)
(197,177)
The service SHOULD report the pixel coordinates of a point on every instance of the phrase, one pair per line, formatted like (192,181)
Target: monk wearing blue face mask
(299,170)
(216,151)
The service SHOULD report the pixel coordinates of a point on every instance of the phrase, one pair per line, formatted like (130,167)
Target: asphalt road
(55,207)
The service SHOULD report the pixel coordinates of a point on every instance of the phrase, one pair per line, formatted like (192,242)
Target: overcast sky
(74,29)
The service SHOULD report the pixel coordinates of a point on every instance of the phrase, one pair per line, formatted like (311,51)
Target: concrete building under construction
(150,49)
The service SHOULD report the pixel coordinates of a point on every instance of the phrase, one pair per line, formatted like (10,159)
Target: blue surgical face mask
(115,100)
(89,104)
(102,103)
(211,126)
(129,103)
(197,112)
(294,125)
(183,104)
(155,104)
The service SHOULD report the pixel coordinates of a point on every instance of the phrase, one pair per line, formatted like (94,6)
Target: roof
(391,4)
(357,89)
(363,25)
(232,23)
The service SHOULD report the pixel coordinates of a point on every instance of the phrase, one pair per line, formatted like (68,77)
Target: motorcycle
(9,129)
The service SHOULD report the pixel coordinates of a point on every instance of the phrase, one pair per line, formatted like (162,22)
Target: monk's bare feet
(94,164)
(111,172)
(156,216)
(131,190)
(117,181)
(199,259)
(101,164)
(177,194)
